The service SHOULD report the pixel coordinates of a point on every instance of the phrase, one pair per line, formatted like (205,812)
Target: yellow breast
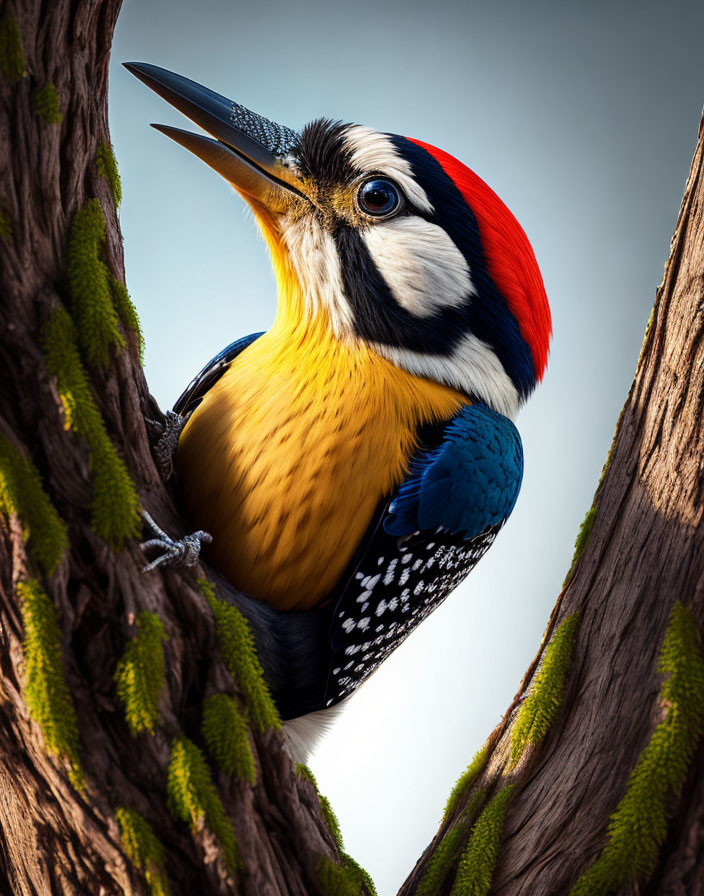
(289,454)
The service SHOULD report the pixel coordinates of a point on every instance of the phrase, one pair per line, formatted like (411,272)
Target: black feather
(193,394)
(322,154)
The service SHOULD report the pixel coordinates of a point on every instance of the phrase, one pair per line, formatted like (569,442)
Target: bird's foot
(184,552)
(169,433)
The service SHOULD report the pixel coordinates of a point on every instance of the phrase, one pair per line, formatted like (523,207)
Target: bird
(355,461)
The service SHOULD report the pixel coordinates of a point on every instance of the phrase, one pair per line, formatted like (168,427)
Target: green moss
(140,675)
(339,879)
(331,822)
(585,530)
(612,447)
(240,656)
(143,849)
(445,856)
(46,690)
(609,457)
(115,506)
(442,861)
(106,164)
(46,104)
(5,221)
(348,873)
(89,282)
(127,313)
(12,63)
(22,494)
(334,879)
(226,736)
(326,810)
(476,867)
(466,781)
(115,502)
(304,772)
(362,878)
(542,705)
(193,798)
(638,826)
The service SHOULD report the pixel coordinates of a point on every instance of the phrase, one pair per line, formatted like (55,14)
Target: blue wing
(423,543)
(471,481)
(210,374)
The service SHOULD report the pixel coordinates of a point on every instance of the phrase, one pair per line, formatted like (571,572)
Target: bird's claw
(170,431)
(184,552)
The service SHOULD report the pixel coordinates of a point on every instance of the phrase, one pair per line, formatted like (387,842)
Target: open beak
(251,152)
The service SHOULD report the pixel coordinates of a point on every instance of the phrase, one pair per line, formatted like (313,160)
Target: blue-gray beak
(251,152)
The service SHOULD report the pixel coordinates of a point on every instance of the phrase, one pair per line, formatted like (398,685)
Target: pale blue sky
(583,117)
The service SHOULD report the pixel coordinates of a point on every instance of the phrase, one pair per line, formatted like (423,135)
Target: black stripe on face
(378,317)
(487,314)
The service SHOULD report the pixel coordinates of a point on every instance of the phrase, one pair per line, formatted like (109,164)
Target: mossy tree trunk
(106,673)
(593,782)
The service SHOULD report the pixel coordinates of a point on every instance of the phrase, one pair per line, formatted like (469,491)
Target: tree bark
(644,556)
(607,695)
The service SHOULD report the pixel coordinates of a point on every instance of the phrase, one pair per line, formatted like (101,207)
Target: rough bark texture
(645,552)
(54,838)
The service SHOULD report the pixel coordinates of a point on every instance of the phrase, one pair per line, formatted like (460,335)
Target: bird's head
(392,241)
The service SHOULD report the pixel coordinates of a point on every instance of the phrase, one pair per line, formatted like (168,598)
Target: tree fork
(602,745)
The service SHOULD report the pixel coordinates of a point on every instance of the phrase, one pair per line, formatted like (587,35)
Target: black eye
(378,197)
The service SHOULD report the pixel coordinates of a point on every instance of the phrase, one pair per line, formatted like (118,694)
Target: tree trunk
(107,673)
(593,782)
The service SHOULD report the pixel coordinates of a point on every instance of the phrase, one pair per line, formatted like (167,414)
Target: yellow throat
(290,452)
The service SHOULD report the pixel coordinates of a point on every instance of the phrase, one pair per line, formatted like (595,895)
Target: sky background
(583,117)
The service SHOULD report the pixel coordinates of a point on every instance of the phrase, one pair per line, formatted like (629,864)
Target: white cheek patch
(314,255)
(472,368)
(421,265)
(372,151)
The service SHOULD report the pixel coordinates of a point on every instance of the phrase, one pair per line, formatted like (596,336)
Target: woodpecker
(354,462)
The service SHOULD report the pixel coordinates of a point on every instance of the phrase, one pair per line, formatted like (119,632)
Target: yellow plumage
(288,455)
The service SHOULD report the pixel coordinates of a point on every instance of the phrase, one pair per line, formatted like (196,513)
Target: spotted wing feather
(425,541)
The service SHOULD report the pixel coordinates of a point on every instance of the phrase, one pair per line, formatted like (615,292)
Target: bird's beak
(251,152)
